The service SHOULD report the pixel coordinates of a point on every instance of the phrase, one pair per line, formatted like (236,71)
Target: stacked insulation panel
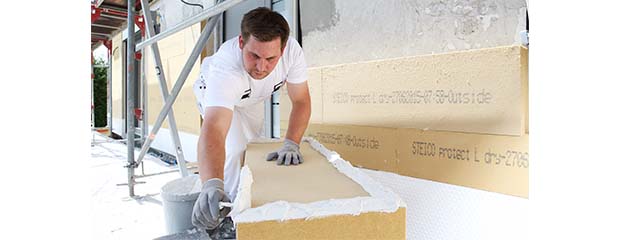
(459,118)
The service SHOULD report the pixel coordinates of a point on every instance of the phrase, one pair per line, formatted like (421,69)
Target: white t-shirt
(224,82)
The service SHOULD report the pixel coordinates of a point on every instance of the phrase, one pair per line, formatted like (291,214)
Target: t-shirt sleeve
(298,73)
(221,88)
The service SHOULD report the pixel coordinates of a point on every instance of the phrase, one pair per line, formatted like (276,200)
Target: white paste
(381,199)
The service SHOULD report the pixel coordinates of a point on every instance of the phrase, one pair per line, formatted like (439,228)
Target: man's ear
(240,42)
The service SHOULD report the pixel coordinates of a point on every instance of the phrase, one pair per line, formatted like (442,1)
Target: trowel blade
(192,234)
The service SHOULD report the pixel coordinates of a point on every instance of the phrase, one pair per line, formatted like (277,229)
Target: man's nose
(261,65)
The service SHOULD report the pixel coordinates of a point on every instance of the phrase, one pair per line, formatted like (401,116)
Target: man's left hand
(287,155)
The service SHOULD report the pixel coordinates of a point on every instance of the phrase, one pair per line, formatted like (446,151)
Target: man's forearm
(211,156)
(298,121)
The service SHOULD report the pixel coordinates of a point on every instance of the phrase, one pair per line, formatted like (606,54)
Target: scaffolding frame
(212,16)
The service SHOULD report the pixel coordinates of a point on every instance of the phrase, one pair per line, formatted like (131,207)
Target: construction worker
(233,84)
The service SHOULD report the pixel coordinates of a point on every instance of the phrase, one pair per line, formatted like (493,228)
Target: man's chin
(258,76)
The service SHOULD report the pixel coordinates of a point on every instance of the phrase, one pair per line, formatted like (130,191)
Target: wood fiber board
(174,52)
(367,147)
(313,180)
(496,163)
(477,91)
(184,107)
(117,76)
(525,88)
(487,162)
(372,225)
(316,98)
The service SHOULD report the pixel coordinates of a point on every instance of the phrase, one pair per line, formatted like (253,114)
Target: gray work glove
(207,213)
(287,155)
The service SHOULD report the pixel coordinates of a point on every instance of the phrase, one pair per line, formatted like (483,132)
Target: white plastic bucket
(179,196)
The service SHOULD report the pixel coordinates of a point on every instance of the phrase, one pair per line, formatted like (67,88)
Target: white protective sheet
(381,199)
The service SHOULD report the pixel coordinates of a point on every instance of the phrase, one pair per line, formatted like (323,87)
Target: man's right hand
(207,213)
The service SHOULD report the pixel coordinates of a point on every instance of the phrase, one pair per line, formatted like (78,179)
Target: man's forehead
(264,49)
(255,41)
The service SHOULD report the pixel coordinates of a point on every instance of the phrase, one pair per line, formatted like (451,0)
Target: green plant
(100,92)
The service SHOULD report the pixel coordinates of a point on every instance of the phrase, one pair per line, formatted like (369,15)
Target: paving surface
(114,214)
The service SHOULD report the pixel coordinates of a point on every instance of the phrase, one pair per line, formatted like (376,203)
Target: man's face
(260,58)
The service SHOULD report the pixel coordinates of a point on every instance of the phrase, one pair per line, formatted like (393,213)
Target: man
(233,83)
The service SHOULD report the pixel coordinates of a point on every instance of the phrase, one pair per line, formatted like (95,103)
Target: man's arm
(211,142)
(211,156)
(300,114)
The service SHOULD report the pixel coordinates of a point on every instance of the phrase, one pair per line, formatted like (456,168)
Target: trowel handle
(226,204)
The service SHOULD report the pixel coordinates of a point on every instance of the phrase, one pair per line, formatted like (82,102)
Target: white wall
(442,211)
(344,31)
(172,12)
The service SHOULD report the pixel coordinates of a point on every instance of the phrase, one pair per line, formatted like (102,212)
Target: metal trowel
(224,231)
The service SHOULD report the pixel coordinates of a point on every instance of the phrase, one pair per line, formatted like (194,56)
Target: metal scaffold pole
(213,14)
(216,10)
(131,82)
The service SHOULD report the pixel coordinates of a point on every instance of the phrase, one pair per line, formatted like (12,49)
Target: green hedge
(100,88)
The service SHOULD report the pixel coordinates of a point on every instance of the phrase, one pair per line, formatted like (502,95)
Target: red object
(137,4)
(139,55)
(94,13)
(139,20)
(138,113)
(114,12)
(108,44)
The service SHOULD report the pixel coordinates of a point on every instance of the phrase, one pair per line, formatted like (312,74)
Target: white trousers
(247,124)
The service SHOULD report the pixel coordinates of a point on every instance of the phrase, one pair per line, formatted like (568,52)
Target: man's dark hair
(265,25)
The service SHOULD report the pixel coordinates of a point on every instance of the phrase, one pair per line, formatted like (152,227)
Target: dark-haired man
(233,84)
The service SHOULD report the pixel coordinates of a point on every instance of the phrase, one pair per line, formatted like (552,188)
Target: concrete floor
(114,214)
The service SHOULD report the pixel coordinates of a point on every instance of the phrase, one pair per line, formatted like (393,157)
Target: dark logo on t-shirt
(246,94)
(277,86)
